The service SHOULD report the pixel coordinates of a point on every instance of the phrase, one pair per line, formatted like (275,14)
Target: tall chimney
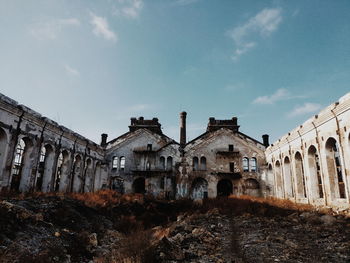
(183,129)
(266,140)
(104,139)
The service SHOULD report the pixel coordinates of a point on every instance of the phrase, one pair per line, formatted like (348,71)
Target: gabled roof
(234,132)
(138,131)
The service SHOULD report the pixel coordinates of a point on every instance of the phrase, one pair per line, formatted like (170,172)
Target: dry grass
(276,202)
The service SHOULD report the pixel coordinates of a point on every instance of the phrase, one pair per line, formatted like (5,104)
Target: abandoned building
(309,165)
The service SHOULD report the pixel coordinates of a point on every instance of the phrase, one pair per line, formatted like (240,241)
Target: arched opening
(245,164)
(118,185)
(195,162)
(76,176)
(253,166)
(169,163)
(199,189)
(122,163)
(334,167)
(44,168)
(21,169)
(88,176)
(115,162)
(252,187)
(3,149)
(97,178)
(279,180)
(288,178)
(138,185)
(162,163)
(203,165)
(315,172)
(300,176)
(224,187)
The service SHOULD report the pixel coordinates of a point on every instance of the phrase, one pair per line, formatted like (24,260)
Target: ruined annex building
(309,165)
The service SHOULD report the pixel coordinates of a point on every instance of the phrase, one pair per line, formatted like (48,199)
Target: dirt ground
(104,227)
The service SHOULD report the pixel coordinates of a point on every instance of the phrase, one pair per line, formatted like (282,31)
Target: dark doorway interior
(224,187)
(139,185)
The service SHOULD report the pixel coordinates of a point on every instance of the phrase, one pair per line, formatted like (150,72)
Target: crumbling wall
(315,159)
(34,168)
(224,168)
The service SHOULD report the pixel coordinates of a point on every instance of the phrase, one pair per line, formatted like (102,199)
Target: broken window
(315,172)
(203,163)
(230,147)
(115,162)
(300,176)
(59,171)
(122,163)
(253,166)
(195,163)
(232,167)
(169,163)
(162,163)
(334,166)
(17,165)
(245,164)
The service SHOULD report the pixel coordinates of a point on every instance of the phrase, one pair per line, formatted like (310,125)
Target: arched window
(203,166)
(334,166)
(299,175)
(195,163)
(253,165)
(59,171)
(115,162)
(288,178)
(122,163)
(245,164)
(315,172)
(162,163)
(45,167)
(17,165)
(169,163)
(279,182)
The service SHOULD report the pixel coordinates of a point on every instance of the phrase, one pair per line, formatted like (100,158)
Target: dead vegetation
(105,227)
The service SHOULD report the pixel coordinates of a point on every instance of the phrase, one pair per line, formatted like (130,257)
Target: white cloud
(129,8)
(71,71)
(51,29)
(185,2)
(306,108)
(264,24)
(280,94)
(101,28)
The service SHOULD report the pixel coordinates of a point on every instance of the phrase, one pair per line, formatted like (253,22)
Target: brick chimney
(183,129)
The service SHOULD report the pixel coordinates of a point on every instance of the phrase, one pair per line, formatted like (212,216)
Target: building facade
(311,164)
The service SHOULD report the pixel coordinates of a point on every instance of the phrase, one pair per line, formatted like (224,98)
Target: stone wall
(37,154)
(311,164)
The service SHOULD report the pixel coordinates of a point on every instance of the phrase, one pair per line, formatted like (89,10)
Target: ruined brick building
(310,165)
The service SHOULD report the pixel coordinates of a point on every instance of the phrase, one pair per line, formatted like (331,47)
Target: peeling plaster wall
(214,146)
(332,122)
(143,162)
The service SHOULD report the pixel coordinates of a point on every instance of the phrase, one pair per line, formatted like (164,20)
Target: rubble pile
(63,229)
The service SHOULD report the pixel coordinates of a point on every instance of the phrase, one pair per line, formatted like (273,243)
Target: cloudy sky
(91,65)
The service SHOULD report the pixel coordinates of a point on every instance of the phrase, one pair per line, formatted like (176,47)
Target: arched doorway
(224,187)
(138,185)
(252,187)
(199,189)
(335,170)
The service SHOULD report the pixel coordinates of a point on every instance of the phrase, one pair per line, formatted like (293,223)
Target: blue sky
(91,65)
